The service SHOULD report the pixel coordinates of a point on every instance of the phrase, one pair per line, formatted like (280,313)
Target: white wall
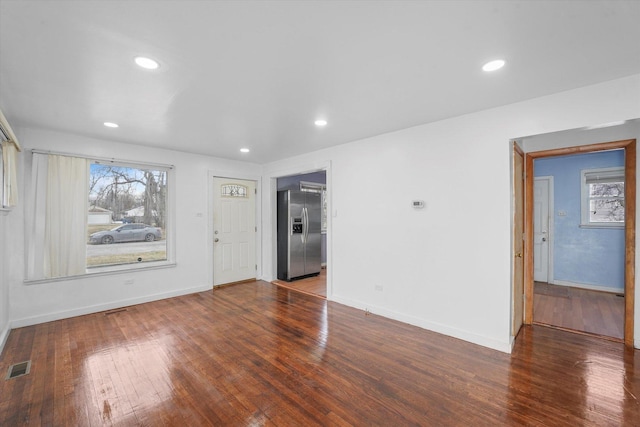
(33,303)
(447,267)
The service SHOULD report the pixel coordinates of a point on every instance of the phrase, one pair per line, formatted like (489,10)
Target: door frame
(209,217)
(272,179)
(629,147)
(517,242)
(550,224)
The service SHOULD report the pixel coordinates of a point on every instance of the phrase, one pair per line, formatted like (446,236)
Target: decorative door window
(234,190)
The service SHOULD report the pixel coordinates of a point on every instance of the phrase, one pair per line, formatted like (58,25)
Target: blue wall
(591,256)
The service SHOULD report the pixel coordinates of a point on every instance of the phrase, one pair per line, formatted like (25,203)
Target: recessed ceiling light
(111,124)
(147,63)
(320,122)
(244,150)
(493,65)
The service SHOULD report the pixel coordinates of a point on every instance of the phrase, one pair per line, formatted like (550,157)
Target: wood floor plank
(599,313)
(259,354)
(315,285)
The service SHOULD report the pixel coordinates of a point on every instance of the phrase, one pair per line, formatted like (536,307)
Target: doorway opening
(532,235)
(311,284)
(578,242)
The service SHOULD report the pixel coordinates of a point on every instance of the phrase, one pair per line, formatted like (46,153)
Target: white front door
(234,230)
(541,233)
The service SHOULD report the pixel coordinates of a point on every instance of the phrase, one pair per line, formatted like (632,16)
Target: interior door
(518,240)
(541,233)
(234,230)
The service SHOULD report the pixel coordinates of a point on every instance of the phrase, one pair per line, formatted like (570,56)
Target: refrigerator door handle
(305,225)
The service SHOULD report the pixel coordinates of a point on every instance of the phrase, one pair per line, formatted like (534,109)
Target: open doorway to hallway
(313,284)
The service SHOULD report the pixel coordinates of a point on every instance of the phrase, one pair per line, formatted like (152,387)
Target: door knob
(216,239)
(544,239)
(518,254)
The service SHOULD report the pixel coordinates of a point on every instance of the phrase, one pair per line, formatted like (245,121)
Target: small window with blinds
(603,203)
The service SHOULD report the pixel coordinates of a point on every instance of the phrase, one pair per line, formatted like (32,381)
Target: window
(8,174)
(88,216)
(603,203)
(9,149)
(132,195)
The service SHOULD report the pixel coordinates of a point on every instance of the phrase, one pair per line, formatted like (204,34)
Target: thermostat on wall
(418,204)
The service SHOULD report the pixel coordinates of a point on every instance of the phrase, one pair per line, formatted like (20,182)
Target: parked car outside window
(127,233)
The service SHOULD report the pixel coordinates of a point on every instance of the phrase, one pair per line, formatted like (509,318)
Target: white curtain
(35,210)
(10,174)
(58,219)
(65,241)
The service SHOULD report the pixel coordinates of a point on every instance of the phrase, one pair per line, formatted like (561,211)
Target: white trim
(104,160)
(473,338)
(34,320)
(106,271)
(589,287)
(4,335)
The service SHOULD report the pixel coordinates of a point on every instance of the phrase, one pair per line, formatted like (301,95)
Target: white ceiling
(257,74)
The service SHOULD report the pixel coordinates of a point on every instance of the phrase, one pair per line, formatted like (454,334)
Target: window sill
(603,226)
(105,271)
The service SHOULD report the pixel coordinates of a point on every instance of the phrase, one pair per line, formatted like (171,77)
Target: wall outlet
(378,288)
(128,281)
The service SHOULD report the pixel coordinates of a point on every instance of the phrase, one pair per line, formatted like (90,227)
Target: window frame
(585,198)
(169,230)
(3,208)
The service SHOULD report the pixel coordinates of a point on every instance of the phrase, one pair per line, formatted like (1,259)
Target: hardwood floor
(594,312)
(316,285)
(258,354)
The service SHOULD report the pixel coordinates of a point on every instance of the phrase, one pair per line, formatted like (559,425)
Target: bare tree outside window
(129,195)
(606,202)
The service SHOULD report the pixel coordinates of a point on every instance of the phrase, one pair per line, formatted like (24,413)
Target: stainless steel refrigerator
(299,234)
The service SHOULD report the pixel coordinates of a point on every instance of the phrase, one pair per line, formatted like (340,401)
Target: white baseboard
(471,337)
(589,287)
(3,338)
(49,317)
